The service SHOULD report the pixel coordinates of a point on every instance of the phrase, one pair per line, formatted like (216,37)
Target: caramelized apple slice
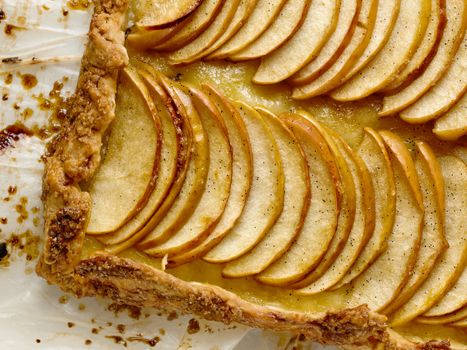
(347,206)
(244,11)
(456,13)
(217,189)
(193,26)
(405,38)
(242,170)
(381,283)
(284,26)
(264,13)
(453,124)
(433,241)
(163,225)
(296,200)
(444,94)
(161,13)
(173,156)
(332,77)
(426,51)
(128,173)
(454,300)
(321,219)
(266,197)
(386,16)
(346,23)
(303,46)
(363,224)
(451,263)
(374,154)
(194,49)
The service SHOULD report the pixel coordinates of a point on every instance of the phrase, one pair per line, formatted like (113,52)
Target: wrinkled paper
(34,314)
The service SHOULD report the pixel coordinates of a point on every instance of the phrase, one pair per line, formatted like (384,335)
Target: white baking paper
(32,313)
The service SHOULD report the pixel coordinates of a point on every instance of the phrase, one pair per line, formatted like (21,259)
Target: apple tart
(179,181)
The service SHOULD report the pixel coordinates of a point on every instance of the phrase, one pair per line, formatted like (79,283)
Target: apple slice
(453,124)
(321,219)
(284,26)
(162,13)
(332,77)
(320,21)
(296,200)
(363,225)
(243,13)
(339,39)
(373,152)
(425,52)
(386,16)
(163,225)
(193,26)
(266,197)
(347,206)
(457,315)
(441,97)
(456,14)
(217,190)
(454,300)
(128,173)
(393,57)
(242,170)
(384,279)
(451,263)
(172,160)
(264,13)
(433,241)
(194,49)
(144,39)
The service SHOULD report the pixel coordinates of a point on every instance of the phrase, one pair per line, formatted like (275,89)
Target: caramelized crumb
(193,326)
(28,81)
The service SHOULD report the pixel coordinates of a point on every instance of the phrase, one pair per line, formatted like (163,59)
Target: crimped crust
(72,158)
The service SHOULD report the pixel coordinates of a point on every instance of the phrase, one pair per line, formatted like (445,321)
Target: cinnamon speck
(95,331)
(3,250)
(38,341)
(5,97)
(64,299)
(88,342)
(81,306)
(70,324)
(8,79)
(12,190)
(28,81)
(3,221)
(121,328)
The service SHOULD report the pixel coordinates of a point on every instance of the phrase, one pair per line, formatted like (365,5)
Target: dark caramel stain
(88,342)
(11,60)
(5,97)
(193,326)
(95,331)
(28,81)
(12,134)
(22,210)
(3,250)
(65,12)
(12,190)
(172,316)
(3,221)
(64,299)
(2,15)
(27,113)
(38,341)
(140,339)
(10,29)
(78,4)
(70,324)
(8,78)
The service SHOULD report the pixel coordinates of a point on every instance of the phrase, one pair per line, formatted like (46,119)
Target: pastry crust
(72,158)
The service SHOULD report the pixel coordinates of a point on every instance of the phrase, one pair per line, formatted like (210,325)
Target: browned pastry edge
(73,156)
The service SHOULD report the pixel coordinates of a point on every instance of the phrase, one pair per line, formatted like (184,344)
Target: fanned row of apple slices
(189,174)
(413,52)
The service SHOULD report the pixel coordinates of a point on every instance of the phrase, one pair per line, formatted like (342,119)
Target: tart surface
(264,250)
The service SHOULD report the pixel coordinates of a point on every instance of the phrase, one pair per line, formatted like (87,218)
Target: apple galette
(200,169)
